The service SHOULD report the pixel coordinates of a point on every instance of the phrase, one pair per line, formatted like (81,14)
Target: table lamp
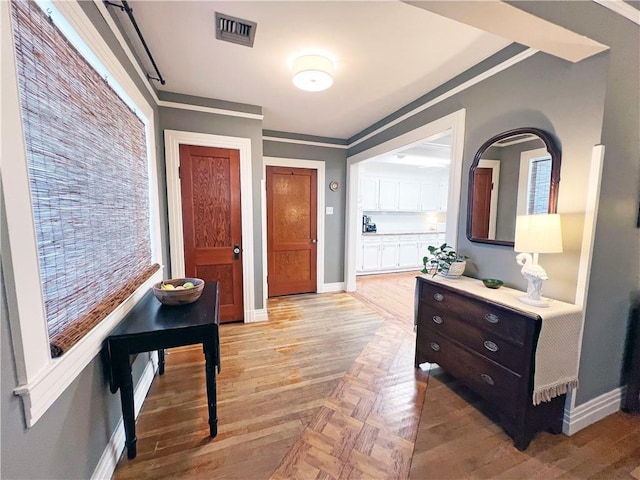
(536,234)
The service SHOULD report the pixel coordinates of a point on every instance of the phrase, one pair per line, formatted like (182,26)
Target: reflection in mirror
(514,173)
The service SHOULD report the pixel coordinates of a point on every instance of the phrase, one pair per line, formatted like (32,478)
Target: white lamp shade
(312,73)
(538,233)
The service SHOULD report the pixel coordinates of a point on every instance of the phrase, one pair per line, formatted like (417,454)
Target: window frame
(41,379)
(526,158)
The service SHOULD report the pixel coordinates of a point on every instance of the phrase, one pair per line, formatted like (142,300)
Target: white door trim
(296,163)
(172,141)
(455,123)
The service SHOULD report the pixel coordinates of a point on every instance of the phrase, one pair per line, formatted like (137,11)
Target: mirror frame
(555,176)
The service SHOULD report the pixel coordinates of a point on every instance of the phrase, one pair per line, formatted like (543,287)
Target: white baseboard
(391,270)
(109,459)
(260,315)
(593,411)
(331,287)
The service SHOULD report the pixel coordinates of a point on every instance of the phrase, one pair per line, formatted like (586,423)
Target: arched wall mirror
(513,173)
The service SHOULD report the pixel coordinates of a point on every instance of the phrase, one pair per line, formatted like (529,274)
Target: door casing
(455,122)
(173,139)
(296,163)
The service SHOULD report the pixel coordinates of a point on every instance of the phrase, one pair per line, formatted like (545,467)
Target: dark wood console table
(153,326)
(520,359)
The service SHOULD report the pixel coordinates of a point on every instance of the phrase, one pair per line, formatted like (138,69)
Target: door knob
(236,252)
(314,240)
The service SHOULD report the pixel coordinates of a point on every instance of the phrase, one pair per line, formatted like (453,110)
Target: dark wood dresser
(489,346)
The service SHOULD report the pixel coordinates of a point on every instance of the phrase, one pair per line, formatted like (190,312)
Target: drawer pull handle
(438,297)
(489,345)
(487,379)
(491,318)
(437,319)
(435,347)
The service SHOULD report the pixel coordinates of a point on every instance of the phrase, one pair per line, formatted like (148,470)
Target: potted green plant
(444,260)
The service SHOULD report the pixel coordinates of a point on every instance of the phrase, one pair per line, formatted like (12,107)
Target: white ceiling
(386,54)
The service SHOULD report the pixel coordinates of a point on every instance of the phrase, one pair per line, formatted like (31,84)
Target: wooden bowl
(179,297)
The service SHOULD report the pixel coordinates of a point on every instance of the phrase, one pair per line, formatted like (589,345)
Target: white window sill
(40,393)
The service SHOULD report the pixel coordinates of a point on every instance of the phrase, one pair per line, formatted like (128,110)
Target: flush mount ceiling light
(312,73)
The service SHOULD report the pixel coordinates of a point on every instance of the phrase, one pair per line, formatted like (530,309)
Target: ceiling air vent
(235,30)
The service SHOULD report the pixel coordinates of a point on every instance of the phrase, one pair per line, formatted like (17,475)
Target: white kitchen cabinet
(392,194)
(408,249)
(443,192)
(429,197)
(369,254)
(389,253)
(388,195)
(433,196)
(425,241)
(386,253)
(369,193)
(409,196)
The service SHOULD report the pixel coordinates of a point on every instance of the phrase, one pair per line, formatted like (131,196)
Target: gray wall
(580,105)
(335,169)
(201,122)
(68,440)
(616,269)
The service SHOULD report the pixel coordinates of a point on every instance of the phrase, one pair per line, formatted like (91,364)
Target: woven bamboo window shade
(88,172)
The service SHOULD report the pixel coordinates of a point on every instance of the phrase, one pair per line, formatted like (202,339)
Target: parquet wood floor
(326,389)
(367,426)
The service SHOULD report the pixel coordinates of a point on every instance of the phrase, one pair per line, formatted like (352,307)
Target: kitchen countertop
(371,234)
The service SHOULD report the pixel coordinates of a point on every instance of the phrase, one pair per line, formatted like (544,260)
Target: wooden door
(212,222)
(481,212)
(291,230)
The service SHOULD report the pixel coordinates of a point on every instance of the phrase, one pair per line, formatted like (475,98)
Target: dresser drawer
(499,321)
(491,381)
(486,343)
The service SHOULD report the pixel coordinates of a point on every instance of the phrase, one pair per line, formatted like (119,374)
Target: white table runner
(558,353)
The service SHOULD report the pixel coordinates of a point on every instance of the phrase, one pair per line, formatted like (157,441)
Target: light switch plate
(329,210)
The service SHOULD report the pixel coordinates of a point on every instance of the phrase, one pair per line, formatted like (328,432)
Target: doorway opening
(404,195)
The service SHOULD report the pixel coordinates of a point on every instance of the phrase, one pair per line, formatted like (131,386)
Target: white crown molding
(621,8)
(304,142)
(111,454)
(592,411)
(449,93)
(215,111)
